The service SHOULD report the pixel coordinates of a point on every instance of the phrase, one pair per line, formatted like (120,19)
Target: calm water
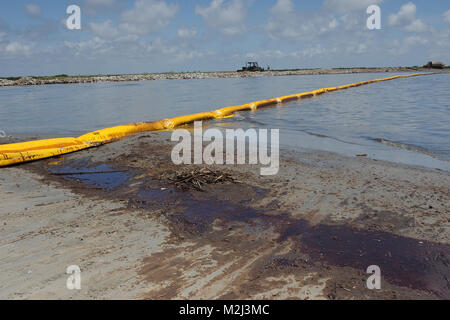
(405,120)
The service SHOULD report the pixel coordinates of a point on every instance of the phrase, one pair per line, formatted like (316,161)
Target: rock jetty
(33,81)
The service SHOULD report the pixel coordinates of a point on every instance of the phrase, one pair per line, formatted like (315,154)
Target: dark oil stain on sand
(405,262)
(97,175)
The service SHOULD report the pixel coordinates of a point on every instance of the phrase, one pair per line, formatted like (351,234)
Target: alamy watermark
(374,281)
(374,20)
(74,280)
(235,145)
(2,134)
(73,22)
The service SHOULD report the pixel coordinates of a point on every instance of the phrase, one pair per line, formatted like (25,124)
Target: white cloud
(328,33)
(264,54)
(173,52)
(447,16)
(187,33)
(33,10)
(401,47)
(188,55)
(406,19)
(104,30)
(283,22)
(127,47)
(91,44)
(147,16)
(415,40)
(416,26)
(406,15)
(286,22)
(228,17)
(349,5)
(17,48)
(283,7)
(309,52)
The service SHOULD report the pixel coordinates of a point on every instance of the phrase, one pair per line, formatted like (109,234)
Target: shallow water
(404,120)
(101,176)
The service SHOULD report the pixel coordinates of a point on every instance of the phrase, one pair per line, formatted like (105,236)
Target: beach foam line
(16,153)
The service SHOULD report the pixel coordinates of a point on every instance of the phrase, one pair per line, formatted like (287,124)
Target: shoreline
(306,233)
(422,160)
(49,80)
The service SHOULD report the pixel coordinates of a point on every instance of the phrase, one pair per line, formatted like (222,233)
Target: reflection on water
(404,120)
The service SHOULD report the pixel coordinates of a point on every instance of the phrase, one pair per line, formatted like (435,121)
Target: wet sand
(308,233)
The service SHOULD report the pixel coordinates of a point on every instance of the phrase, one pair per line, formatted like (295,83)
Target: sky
(140,36)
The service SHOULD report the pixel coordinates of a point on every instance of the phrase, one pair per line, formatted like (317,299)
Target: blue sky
(136,36)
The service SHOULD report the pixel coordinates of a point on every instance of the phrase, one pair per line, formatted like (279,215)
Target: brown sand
(308,233)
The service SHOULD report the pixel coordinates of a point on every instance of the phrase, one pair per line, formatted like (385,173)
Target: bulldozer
(252,67)
(434,65)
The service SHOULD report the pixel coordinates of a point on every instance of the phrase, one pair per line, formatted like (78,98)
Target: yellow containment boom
(34,150)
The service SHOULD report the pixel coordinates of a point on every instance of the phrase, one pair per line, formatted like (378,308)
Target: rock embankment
(32,81)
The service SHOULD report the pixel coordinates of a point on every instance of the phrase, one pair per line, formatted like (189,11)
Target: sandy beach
(308,233)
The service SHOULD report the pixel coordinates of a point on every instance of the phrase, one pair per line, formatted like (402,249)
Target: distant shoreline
(64,79)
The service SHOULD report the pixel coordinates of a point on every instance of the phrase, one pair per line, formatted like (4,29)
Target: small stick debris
(197,179)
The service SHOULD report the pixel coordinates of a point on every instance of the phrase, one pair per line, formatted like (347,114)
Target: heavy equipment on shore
(434,65)
(251,66)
